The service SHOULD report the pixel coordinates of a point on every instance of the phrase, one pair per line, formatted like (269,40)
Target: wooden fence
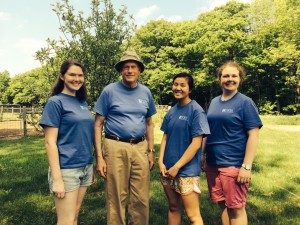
(16,120)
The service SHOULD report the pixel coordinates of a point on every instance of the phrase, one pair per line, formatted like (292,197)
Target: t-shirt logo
(83,107)
(183,117)
(143,102)
(227,110)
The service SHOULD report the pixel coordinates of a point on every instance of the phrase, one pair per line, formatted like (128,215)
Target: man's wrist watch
(151,150)
(246,167)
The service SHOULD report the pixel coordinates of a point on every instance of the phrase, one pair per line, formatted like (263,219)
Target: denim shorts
(74,178)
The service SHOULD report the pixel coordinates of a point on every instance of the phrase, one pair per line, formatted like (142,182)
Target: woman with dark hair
(230,149)
(184,126)
(69,130)
(59,85)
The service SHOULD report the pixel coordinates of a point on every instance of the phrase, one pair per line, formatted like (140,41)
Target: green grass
(281,120)
(273,198)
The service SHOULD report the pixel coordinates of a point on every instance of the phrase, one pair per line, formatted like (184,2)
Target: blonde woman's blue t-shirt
(75,125)
(229,123)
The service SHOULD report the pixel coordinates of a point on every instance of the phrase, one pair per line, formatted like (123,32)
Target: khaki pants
(128,179)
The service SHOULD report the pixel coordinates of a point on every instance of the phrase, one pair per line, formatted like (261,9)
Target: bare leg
(67,209)
(238,216)
(224,213)
(80,197)
(174,213)
(191,204)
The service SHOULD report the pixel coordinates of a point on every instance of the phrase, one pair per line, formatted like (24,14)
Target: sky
(25,25)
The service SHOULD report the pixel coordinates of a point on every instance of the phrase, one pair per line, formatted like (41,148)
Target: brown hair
(232,64)
(81,94)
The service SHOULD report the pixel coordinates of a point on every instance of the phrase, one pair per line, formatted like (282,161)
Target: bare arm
(150,140)
(187,156)
(162,167)
(98,128)
(251,147)
(51,134)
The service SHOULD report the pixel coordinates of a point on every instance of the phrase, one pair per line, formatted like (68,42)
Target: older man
(124,109)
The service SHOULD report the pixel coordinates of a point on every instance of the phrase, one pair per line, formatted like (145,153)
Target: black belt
(130,140)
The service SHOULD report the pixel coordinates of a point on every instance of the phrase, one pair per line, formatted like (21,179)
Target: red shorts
(223,186)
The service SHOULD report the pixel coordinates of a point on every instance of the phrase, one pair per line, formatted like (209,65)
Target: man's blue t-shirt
(229,122)
(75,125)
(182,124)
(125,109)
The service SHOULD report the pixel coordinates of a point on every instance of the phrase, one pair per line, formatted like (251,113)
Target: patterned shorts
(182,185)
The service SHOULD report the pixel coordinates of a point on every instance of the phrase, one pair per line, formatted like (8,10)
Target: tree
(274,62)
(30,88)
(154,43)
(224,36)
(94,40)
(197,47)
(4,81)
(262,36)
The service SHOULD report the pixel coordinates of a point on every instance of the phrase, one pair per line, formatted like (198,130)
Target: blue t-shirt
(229,122)
(125,109)
(75,125)
(182,124)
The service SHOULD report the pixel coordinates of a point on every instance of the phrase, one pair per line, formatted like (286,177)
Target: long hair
(81,94)
(232,64)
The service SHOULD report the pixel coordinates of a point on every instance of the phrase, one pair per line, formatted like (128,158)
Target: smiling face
(181,89)
(130,73)
(73,80)
(230,79)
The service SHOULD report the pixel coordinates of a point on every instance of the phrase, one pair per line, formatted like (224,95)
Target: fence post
(24,121)
(1,112)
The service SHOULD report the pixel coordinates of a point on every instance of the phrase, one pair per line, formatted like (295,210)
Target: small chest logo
(227,110)
(183,117)
(83,107)
(143,102)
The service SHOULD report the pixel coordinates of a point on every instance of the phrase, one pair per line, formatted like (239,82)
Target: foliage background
(262,36)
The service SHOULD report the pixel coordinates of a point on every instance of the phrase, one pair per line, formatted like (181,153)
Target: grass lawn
(273,199)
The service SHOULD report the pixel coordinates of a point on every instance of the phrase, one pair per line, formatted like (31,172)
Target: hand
(151,160)
(244,176)
(94,179)
(58,188)
(172,172)
(101,167)
(162,169)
